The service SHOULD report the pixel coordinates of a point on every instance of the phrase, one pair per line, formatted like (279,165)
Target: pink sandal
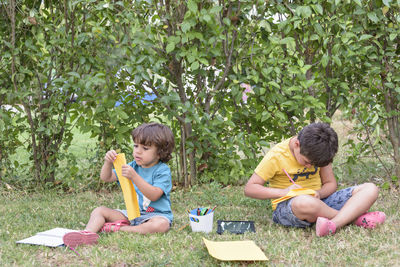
(370,220)
(74,239)
(114,226)
(325,227)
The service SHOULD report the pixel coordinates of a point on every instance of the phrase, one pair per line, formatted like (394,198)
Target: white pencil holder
(201,223)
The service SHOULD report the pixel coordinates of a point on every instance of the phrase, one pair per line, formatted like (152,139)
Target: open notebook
(50,238)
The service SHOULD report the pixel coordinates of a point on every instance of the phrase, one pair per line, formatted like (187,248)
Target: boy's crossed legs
(145,224)
(336,211)
(102,215)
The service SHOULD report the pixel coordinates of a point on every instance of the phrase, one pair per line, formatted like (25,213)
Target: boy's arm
(329,184)
(255,188)
(106,173)
(151,192)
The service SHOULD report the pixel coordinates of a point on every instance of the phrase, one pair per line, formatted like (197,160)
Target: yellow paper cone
(130,197)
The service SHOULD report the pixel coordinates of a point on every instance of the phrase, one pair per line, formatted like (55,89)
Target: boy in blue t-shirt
(153,145)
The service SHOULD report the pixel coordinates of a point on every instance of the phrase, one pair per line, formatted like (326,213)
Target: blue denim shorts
(145,217)
(284,214)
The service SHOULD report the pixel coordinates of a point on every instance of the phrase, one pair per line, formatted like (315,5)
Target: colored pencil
(183,226)
(204,211)
(289,176)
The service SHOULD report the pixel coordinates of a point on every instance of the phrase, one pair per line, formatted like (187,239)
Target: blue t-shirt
(160,176)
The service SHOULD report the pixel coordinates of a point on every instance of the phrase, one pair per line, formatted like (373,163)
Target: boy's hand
(293,186)
(317,195)
(128,171)
(110,156)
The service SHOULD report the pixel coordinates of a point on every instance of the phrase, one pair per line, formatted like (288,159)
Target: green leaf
(324,60)
(319,29)
(265,72)
(375,119)
(337,60)
(191,58)
(207,18)
(204,61)
(276,85)
(287,40)
(385,10)
(372,16)
(192,5)
(185,26)
(319,9)
(386,2)
(306,12)
(170,47)
(195,65)
(265,25)
(365,37)
(215,9)
(305,68)
(122,114)
(74,74)
(314,37)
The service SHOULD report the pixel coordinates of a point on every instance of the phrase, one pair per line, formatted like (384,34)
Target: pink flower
(247,89)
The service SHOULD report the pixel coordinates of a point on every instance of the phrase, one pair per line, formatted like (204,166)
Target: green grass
(25,214)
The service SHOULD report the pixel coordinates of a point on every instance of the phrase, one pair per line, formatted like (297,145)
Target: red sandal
(114,226)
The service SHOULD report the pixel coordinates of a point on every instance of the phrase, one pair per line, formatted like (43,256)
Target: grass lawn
(25,214)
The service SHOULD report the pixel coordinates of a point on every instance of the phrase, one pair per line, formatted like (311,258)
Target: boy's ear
(297,143)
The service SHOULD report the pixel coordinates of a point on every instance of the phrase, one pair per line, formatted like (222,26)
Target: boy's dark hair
(156,134)
(318,143)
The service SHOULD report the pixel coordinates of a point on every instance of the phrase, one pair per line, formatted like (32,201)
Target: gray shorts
(145,217)
(284,214)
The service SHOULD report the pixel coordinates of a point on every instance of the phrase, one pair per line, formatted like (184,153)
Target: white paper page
(43,240)
(50,238)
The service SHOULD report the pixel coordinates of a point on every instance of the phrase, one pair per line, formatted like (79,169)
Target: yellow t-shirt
(279,158)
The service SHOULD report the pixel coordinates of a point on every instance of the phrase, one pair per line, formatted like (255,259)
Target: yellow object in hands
(293,193)
(128,190)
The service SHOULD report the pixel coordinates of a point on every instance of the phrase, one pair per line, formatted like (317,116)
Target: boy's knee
(369,188)
(305,204)
(372,189)
(99,210)
(161,225)
(164,227)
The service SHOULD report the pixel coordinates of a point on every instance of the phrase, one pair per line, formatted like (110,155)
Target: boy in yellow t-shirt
(307,158)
